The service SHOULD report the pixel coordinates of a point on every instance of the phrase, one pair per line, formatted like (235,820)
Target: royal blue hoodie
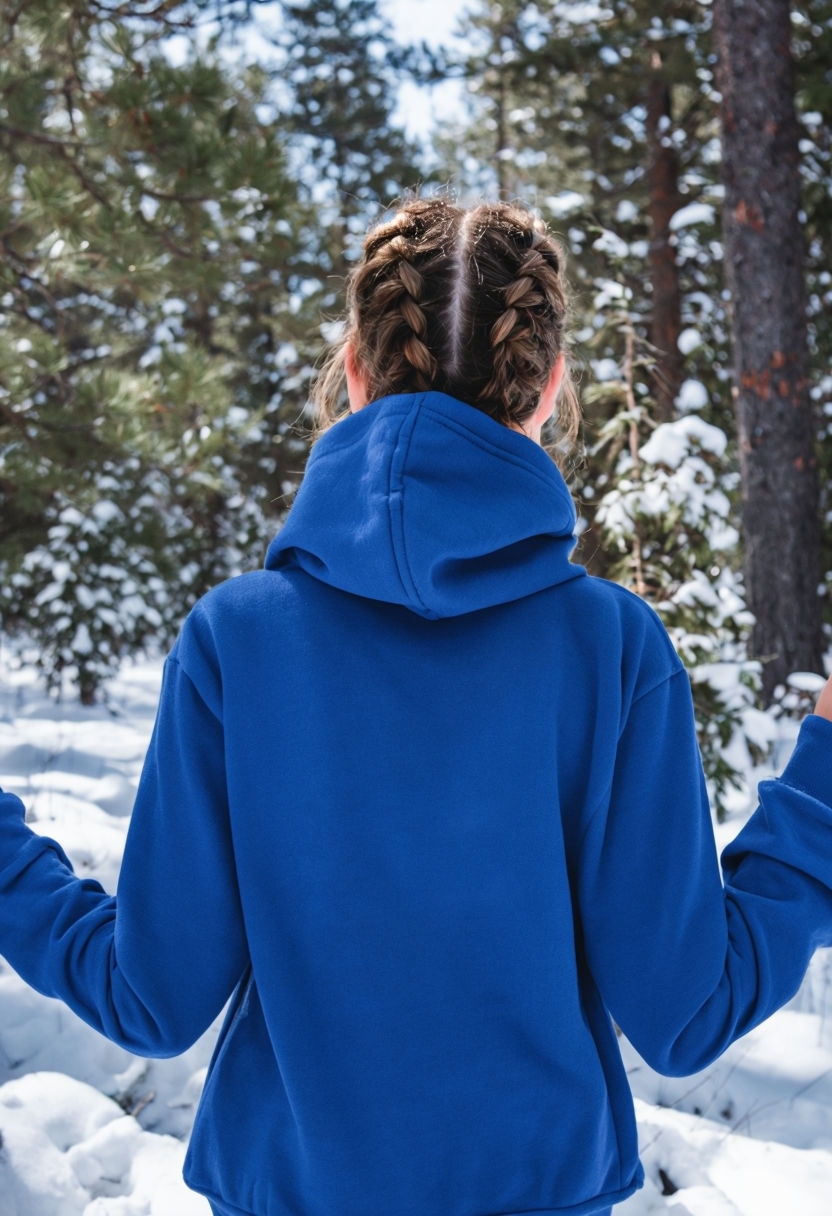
(426,799)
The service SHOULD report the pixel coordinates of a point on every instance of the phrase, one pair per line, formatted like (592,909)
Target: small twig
(136,1110)
(632,408)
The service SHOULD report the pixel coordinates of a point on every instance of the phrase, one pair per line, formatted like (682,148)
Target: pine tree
(812,48)
(610,127)
(339,68)
(146,221)
(764,259)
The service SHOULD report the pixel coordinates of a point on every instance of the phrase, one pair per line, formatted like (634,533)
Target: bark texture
(663,188)
(764,265)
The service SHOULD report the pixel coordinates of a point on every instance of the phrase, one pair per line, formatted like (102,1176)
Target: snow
(736,1137)
(606,369)
(676,477)
(609,292)
(563,204)
(82,642)
(694,213)
(806,681)
(609,242)
(86,1128)
(693,396)
(105,512)
(672,442)
(585,13)
(70,1150)
(626,212)
(89,1130)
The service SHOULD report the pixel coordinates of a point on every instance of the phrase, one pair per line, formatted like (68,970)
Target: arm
(823,709)
(684,964)
(151,967)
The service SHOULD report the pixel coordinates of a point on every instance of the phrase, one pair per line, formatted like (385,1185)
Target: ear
(548,400)
(358,382)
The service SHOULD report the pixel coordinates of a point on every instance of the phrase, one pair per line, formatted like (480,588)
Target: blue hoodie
(427,800)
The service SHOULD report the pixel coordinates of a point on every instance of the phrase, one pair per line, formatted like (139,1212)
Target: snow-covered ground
(88,1130)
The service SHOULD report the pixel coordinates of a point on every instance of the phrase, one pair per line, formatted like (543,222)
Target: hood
(421,500)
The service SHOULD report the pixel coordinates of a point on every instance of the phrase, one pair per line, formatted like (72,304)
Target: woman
(427,800)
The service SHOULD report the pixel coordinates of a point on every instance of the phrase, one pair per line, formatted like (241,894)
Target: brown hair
(468,302)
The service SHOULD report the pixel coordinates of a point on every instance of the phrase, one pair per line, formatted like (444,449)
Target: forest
(183,186)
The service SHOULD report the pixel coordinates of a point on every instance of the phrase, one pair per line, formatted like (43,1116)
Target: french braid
(527,335)
(467,302)
(395,292)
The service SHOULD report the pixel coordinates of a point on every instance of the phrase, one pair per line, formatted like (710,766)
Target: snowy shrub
(666,521)
(117,574)
(91,594)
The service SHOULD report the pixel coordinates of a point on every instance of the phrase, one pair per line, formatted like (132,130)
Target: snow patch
(694,213)
(693,396)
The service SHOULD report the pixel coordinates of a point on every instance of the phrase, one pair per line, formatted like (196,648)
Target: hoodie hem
(599,1205)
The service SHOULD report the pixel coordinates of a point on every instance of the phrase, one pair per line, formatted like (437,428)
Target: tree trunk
(505,40)
(663,187)
(764,265)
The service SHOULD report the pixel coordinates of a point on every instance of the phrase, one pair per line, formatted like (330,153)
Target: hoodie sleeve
(686,960)
(152,966)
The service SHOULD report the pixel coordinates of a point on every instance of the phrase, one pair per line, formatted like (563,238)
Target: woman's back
(407,833)
(427,799)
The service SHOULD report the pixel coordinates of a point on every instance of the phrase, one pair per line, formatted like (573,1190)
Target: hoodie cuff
(810,766)
(11,806)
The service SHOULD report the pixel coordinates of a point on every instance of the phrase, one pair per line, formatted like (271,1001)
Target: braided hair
(468,302)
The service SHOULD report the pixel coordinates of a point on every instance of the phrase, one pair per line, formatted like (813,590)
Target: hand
(824,704)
